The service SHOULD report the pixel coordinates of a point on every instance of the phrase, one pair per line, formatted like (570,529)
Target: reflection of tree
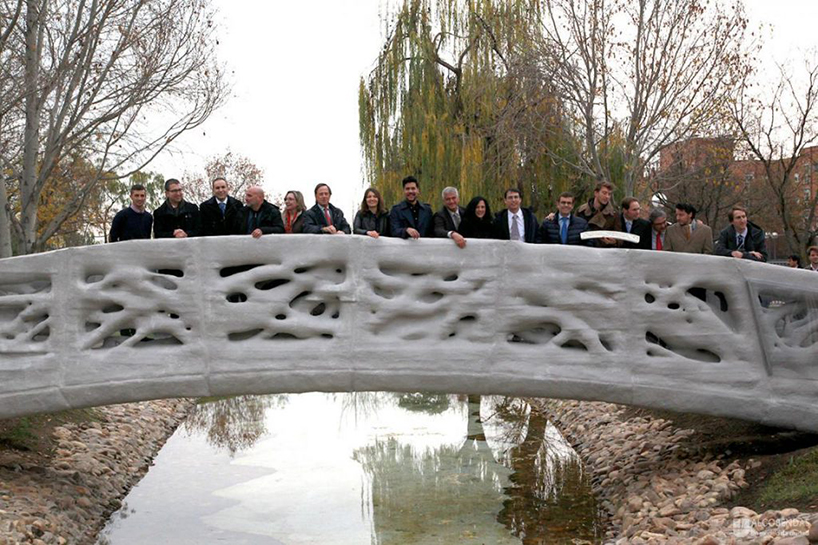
(423,402)
(233,423)
(437,495)
(550,499)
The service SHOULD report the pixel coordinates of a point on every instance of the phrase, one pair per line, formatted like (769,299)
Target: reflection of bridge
(166,318)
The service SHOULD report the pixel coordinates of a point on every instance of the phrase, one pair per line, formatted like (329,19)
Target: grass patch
(34,432)
(796,481)
(19,435)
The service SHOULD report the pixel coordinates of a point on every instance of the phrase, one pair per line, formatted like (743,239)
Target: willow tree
(451,101)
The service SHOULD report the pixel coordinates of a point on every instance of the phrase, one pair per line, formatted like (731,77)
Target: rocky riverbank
(652,493)
(66,497)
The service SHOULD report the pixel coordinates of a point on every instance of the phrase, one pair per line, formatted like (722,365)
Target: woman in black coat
(372,219)
(477,220)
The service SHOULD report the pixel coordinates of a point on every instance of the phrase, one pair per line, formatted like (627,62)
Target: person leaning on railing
(742,239)
(294,209)
(372,219)
(477,220)
(324,218)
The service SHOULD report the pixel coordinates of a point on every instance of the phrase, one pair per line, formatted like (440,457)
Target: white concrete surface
(690,333)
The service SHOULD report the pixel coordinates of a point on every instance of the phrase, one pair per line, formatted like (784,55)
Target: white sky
(296,67)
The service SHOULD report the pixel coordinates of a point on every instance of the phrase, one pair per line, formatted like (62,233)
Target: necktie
(740,242)
(328,216)
(222,207)
(564,230)
(687,232)
(659,241)
(456,220)
(628,225)
(515,230)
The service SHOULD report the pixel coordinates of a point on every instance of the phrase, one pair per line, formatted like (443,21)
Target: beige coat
(700,241)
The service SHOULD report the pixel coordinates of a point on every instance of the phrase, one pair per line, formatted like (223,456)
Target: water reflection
(366,467)
(232,423)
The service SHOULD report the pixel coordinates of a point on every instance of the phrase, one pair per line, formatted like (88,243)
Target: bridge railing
(217,316)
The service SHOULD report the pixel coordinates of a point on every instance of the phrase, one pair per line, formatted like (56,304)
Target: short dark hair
(513,190)
(319,186)
(566,195)
(687,208)
(604,183)
(171,181)
(736,208)
(216,180)
(410,180)
(797,259)
(627,202)
(137,187)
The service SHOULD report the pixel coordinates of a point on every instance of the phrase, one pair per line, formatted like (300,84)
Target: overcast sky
(296,66)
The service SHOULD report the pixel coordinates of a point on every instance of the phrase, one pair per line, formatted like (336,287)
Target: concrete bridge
(218,316)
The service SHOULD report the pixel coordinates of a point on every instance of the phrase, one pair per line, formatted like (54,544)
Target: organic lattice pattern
(236,315)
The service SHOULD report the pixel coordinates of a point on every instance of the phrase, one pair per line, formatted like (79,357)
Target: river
(361,468)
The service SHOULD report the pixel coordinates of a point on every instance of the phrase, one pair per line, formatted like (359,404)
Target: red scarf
(288,227)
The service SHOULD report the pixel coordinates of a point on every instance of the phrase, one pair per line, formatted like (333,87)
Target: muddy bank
(66,495)
(654,491)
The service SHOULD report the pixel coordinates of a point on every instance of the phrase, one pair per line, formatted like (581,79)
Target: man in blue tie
(742,239)
(220,213)
(564,227)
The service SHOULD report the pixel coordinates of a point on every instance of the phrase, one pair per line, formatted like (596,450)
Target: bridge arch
(234,315)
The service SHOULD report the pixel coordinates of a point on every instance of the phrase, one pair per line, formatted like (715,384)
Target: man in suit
(688,235)
(812,254)
(631,222)
(220,213)
(324,218)
(658,230)
(176,218)
(411,218)
(564,227)
(447,219)
(515,222)
(742,239)
(601,214)
(259,217)
(133,222)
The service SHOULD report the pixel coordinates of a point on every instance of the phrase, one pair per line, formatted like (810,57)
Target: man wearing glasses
(658,226)
(176,218)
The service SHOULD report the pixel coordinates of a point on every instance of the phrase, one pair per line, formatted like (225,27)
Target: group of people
(223,214)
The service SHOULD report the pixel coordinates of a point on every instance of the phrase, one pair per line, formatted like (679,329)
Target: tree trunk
(28,181)
(5,221)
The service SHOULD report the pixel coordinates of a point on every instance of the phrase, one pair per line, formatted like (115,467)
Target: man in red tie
(658,224)
(324,218)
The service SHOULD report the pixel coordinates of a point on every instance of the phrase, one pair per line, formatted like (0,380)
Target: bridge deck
(218,316)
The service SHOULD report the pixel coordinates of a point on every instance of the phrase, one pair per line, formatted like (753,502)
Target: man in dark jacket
(515,222)
(411,218)
(133,222)
(220,213)
(259,217)
(176,218)
(601,214)
(564,227)
(742,239)
(447,219)
(324,218)
(630,221)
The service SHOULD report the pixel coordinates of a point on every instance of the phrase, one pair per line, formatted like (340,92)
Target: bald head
(253,197)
